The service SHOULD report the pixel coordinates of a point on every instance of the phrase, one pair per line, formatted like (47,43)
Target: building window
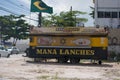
(114,14)
(100,14)
(119,14)
(107,14)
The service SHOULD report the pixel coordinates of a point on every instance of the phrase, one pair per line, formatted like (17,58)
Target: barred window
(119,14)
(100,14)
(114,15)
(107,14)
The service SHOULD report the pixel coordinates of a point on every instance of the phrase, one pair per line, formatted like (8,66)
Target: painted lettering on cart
(46,51)
(77,52)
(65,51)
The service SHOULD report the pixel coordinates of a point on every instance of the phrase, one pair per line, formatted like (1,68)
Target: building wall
(114,36)
(114,40)
(107,13)
(108,3)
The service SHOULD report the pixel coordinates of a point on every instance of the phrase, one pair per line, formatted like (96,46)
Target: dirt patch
(19,68)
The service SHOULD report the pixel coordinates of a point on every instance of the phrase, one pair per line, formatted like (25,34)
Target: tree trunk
(15,41)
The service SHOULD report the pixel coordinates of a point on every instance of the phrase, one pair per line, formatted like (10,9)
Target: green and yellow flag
(40,6)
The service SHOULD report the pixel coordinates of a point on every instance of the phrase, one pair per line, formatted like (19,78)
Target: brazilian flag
(40,6)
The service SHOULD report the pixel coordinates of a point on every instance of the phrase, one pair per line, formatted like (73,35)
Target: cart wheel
(74,60)
(62,60)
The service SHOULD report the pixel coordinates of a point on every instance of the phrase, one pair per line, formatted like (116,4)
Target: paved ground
(20,68)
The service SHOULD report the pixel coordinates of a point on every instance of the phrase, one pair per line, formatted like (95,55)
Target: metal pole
(1,34)
(71,16)
(40,19)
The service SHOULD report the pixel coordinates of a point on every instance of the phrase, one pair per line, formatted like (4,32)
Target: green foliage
(118,57)
(114,56)
(13,26)
(92,14)
(69,18)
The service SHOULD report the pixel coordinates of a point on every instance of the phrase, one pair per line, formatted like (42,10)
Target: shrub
(112,54)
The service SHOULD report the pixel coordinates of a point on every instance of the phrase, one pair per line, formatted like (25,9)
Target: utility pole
(71,22)
(0,33)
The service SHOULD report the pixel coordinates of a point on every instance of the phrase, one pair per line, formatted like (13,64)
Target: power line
(19,6)
(24,6)
(4,9)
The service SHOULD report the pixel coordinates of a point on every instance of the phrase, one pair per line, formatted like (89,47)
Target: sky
(23,7)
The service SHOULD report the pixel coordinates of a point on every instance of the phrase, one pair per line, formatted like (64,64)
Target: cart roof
(68,31)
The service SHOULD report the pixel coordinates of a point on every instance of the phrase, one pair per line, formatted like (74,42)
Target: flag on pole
(40,6)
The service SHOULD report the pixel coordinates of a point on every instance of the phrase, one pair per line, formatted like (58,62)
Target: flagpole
(39,19)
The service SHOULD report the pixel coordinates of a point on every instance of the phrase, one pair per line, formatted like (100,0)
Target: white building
(107,13)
